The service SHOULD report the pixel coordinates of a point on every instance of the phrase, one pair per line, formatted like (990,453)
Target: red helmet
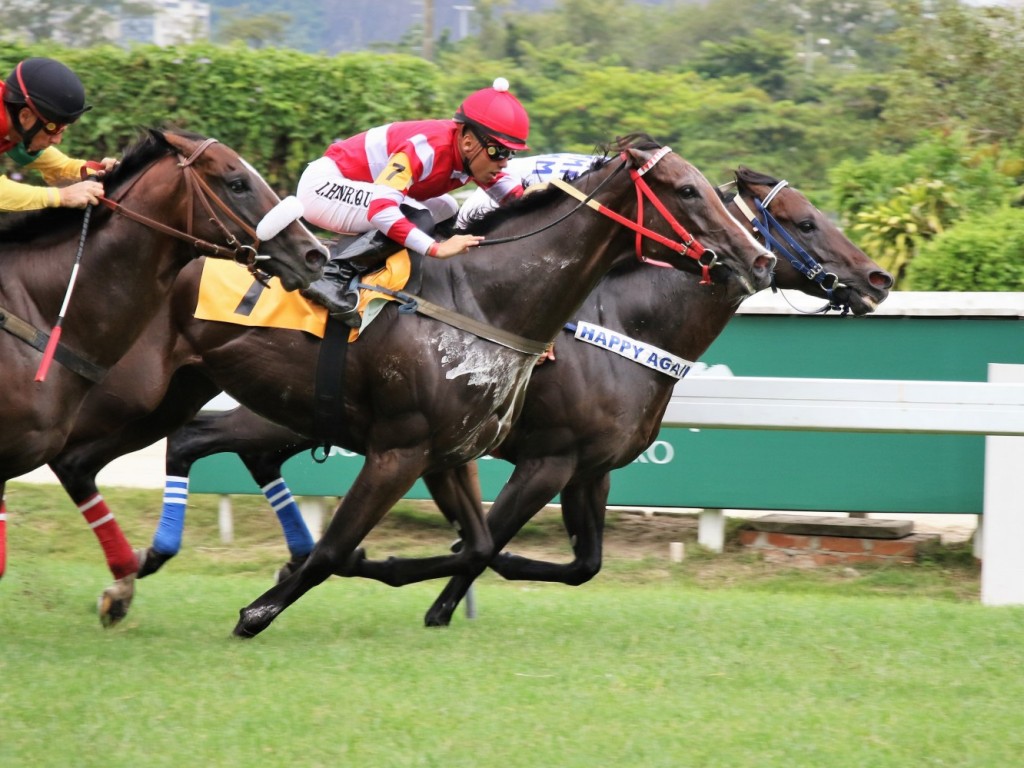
(497,114)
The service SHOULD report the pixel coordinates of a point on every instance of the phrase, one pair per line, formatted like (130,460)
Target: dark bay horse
(568,444)
(832,268)
(174,196)
(420,396)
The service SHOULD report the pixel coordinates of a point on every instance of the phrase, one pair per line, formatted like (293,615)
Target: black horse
(567,444)
(422,397)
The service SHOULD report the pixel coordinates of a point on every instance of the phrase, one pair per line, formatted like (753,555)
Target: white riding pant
(340,205)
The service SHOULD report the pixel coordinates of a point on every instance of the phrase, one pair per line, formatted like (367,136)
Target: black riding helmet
(48,88)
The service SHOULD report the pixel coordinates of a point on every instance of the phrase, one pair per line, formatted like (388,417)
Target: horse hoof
(150,561)
(439,617)
(252,621)
(115,601)
(241,631)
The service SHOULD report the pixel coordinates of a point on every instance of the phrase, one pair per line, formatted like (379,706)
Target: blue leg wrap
(167,539)
(296,534)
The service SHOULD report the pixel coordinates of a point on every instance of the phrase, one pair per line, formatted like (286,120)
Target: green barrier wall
(757,469)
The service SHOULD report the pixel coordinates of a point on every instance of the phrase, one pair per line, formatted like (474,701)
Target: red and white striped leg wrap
(120,558)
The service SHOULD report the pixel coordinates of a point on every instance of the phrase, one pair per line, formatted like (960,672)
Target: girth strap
(329,391)
(38,339)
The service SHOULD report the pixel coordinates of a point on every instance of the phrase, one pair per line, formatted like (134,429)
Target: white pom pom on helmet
(497,114)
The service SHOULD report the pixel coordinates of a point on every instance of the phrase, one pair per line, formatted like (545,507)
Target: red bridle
(688,246)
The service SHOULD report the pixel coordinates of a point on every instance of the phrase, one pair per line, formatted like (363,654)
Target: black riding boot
(364,254)
(334,290)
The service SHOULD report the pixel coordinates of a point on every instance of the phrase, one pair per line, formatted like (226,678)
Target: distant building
(172,22)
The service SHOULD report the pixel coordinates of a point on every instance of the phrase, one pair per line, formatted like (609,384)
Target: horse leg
(583,512)
(532,485)
(459,490)
(78,464)
(381,483)
(263,447)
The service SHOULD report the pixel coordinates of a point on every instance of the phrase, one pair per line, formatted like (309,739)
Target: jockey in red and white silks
(360,182)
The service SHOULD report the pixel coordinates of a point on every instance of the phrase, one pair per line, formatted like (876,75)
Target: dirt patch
(628,534)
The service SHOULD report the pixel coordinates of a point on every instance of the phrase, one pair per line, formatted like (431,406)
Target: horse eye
(238,185)
(688,192)
(806,226)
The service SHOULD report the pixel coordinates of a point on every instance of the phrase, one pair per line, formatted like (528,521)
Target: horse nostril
(880,279)
(316,258)
(764,263)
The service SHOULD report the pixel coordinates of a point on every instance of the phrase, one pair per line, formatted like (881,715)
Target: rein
(246,255)
(575,193)
(689,246)
(765,224)
(409,303)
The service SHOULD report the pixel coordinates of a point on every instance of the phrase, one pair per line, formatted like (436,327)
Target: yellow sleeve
(15,196)
(56,166)
(397,174)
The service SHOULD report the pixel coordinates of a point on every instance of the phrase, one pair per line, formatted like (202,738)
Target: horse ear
(638,156)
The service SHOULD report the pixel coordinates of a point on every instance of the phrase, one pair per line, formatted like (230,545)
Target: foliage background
(903,119)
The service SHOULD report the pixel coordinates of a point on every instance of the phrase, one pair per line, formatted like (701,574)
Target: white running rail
(994,408)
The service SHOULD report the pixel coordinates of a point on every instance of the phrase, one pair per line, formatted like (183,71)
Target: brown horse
(173,197)
(421,396)
(564,442)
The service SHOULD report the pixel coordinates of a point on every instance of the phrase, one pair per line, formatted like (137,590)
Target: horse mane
(26,226)
(489,220)
(745,176)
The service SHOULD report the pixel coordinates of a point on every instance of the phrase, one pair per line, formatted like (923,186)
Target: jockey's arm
(56,167)
(15,196)
(391,188)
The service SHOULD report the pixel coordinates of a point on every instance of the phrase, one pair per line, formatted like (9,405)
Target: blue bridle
(778,240)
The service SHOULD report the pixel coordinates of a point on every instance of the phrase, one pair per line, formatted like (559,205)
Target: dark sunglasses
(494,151)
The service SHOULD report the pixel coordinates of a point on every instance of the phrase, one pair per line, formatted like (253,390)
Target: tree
(75,23)
(766,59)
(966,63)
(968,258)
(264,30)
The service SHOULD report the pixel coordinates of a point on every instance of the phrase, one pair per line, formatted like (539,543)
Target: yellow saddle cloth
(229,294)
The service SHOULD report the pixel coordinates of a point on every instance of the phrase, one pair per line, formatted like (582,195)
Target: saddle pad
(393,276)
(229,294)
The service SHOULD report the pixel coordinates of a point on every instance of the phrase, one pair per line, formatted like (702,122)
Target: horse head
(815,257)
(219,200)
(682,201)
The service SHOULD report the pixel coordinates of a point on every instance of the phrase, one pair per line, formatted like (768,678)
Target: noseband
(198,189)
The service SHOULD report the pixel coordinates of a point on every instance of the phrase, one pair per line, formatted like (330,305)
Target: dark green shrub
(984,252)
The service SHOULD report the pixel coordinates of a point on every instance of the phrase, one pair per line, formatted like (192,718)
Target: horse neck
(531,286)
(124,276)
(666,308)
